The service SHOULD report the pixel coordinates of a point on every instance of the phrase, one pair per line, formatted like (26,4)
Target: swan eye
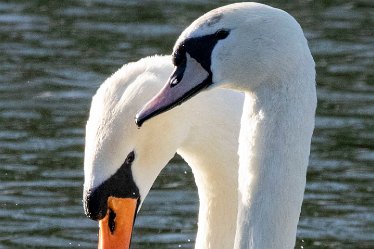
(130,157)
(221,34)
(179,57)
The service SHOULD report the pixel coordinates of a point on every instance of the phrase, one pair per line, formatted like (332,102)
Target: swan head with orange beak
(121,162)
(114,203)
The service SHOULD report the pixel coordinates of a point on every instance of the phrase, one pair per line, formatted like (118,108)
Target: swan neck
(215,167)
(217,213)
(217,182)
(275,136)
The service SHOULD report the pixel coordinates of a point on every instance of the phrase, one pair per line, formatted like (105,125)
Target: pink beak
(193,79)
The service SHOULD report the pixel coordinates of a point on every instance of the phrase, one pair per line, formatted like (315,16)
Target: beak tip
(139,120)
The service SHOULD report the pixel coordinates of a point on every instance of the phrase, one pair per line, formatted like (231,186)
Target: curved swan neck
(215,173)
(217,184)
(217,211)
(275,142)
(218,199)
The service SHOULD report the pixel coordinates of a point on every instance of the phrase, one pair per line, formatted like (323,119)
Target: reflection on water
(54,54)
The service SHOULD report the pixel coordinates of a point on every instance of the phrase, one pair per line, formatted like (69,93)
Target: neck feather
(274,146)
(215,168)
(218,199)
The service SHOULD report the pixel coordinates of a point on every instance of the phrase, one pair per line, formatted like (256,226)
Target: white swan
(124,161)
(261,51)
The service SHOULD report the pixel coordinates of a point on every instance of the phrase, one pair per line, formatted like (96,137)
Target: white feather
(211,151)
(266,56)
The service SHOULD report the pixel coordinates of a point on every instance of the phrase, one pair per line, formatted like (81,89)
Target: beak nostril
(174,81)
(112,221)
(116,227)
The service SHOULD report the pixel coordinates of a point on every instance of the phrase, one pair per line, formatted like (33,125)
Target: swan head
(240,46)
(122,161)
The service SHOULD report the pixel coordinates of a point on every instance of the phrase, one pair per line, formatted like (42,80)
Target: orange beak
(116,227)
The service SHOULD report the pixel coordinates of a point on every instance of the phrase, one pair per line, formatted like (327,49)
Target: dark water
(54,55)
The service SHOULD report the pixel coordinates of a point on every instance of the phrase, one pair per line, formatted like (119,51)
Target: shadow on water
(54,55)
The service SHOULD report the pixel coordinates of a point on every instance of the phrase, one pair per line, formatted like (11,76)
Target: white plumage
(264,54)
(210,150)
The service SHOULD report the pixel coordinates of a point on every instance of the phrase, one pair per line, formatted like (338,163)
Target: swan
(261,51)
(123,161)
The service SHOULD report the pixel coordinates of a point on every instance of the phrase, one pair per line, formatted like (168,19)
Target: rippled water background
(54,55)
